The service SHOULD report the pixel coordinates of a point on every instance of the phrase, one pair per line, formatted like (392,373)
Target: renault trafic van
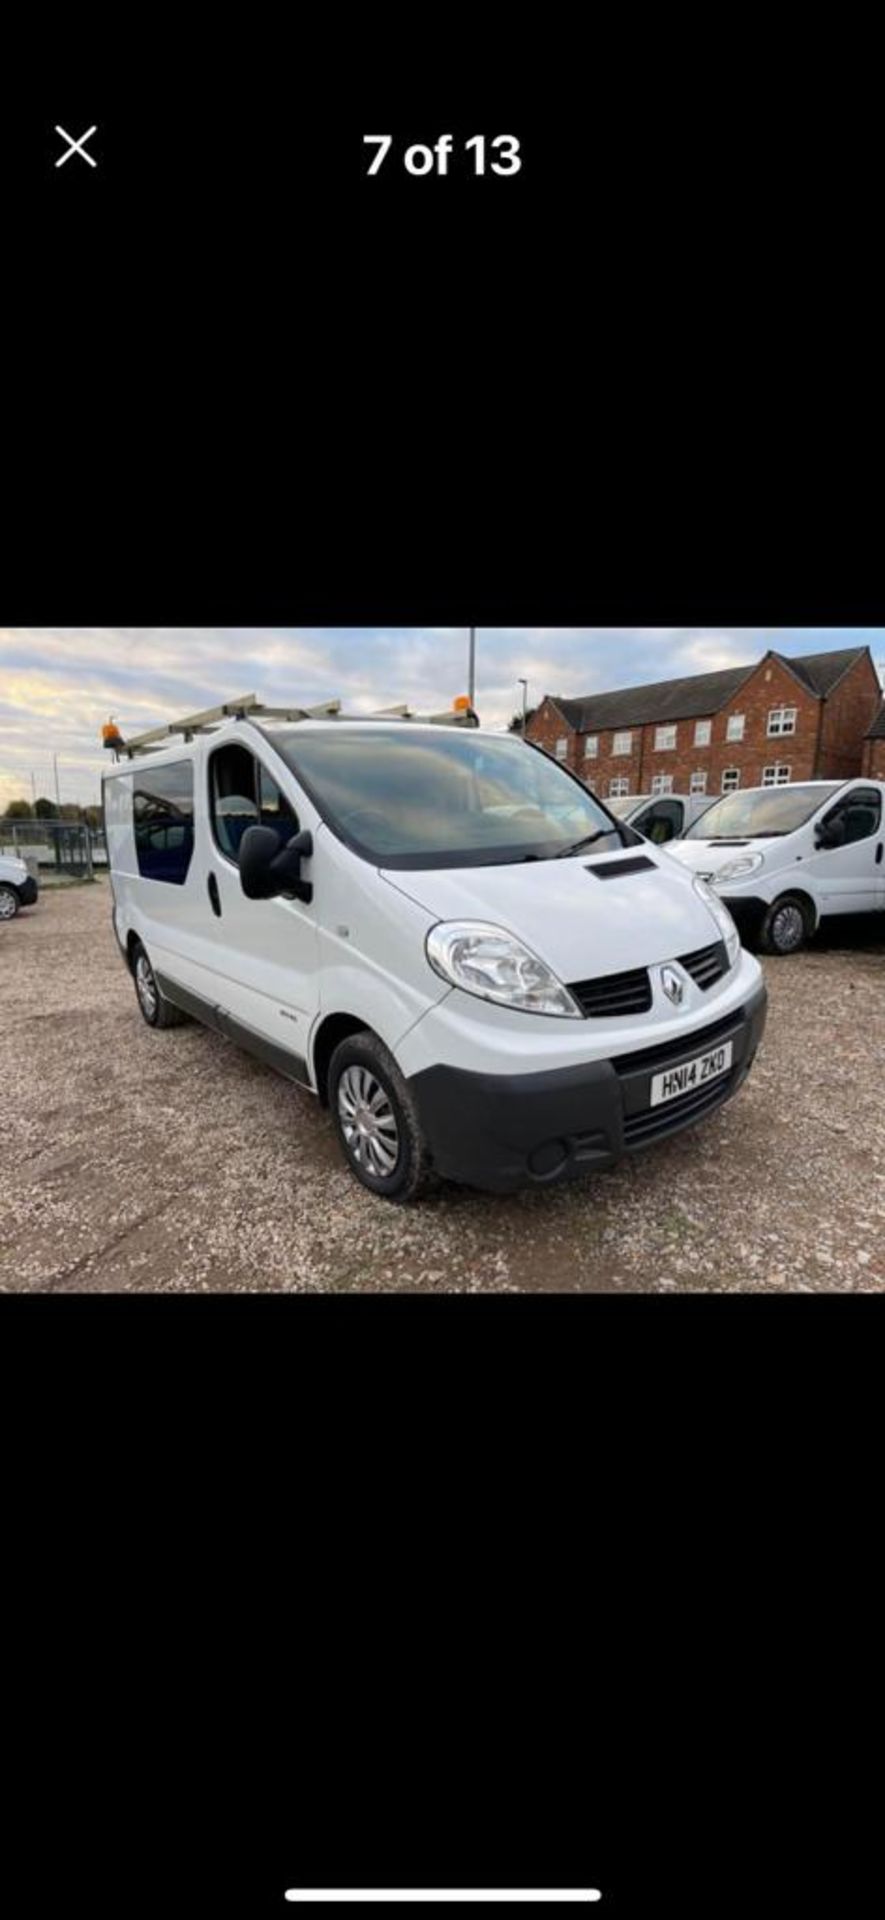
(784,857)
(660,817)
(440,932)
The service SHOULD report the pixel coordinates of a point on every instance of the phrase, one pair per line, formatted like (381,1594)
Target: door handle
(879,854)
(214,896)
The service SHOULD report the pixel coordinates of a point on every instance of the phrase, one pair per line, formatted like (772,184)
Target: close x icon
(75,146)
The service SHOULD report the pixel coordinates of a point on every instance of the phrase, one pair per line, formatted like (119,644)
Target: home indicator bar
(443,1896)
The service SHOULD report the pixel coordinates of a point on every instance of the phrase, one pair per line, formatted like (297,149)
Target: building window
(591,746)
(703,730)
(698,782)
(662,783)
(665,739)
(622,743)
(781,720)
(163,821)
(735,727)
(731,779)
(562,747)
(618,788)
(778,776)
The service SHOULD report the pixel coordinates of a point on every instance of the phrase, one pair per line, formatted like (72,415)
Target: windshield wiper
(601,833)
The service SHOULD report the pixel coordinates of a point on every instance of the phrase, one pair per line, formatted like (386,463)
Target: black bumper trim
(27,892)
(748,913)
(500,1132)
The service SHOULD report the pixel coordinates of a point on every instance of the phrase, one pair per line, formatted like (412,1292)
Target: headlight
(736,869)
(496,966)
(721,916)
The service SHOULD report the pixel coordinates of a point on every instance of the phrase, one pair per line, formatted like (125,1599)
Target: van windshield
(404,799)
(763,813)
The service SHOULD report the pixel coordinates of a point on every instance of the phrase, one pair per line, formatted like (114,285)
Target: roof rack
(249,707)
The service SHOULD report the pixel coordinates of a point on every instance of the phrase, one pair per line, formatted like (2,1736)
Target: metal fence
(62,849)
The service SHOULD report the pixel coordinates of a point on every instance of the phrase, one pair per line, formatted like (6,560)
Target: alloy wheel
(368,1122)
(788,927)
(146,987)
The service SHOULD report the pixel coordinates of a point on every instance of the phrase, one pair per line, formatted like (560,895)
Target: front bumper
(499,1132)
(27,891)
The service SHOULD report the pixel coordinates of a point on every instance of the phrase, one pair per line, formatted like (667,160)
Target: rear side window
(163,821)
(242,794)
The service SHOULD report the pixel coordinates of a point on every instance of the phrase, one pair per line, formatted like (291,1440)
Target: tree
(92,817)
(515,725)
(46,809)
(19,810)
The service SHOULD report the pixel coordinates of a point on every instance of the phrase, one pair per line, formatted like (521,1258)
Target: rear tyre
(9,903)
(376,1120)
(155,1008)
(786,926)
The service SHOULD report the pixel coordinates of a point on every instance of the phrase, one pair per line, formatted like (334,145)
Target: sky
(59,684)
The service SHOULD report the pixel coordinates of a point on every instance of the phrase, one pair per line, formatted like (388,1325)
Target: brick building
(763,725)
(874,748)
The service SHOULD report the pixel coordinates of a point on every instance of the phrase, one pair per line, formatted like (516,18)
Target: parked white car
(18,888)
(783,858)
(439,932)
(661,816)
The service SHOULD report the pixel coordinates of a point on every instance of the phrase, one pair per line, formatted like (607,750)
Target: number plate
(691,1075)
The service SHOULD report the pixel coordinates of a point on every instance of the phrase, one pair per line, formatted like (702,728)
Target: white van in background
(18,888)
(440,932)
(784,857)
(661,816)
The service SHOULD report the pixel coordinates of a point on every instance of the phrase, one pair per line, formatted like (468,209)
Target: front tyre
(376,1120)
(786,926)
(9,903)
(156,1010)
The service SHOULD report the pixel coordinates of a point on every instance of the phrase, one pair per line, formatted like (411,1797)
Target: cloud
(58,684)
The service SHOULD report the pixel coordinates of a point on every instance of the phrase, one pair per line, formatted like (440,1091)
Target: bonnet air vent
(638,863)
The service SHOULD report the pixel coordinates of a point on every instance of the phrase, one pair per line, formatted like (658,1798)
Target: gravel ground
(133,1160)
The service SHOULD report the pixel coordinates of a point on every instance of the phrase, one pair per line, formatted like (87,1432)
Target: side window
(273,807)
(855,818)
(242,794)
(661,822)
(233,797)
(163,821)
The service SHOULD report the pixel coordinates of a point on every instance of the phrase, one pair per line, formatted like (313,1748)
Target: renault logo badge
(672,985)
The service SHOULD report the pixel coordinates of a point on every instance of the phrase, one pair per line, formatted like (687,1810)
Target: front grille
(653,1122)
(682,1048)
(614,994)
(707,965)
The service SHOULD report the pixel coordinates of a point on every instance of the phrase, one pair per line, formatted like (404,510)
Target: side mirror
(269,866)
(827,836)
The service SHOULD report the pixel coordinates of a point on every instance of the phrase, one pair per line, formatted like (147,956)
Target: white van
(660,816)
(18,888)
(784,857)
(440,932)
